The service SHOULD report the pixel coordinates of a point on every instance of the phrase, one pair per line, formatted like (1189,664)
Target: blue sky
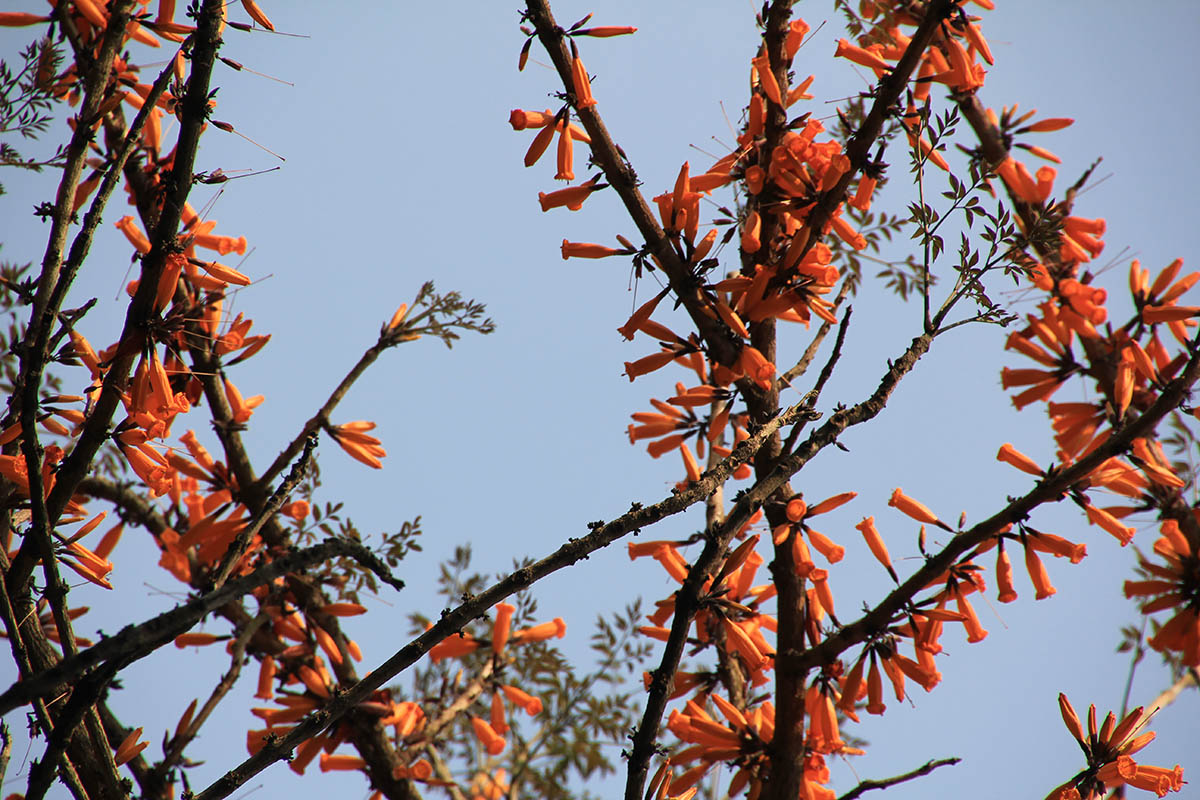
(401,167)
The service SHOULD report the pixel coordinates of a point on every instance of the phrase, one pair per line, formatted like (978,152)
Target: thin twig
(810,352)
(883,783)
(238,547)
(173,752)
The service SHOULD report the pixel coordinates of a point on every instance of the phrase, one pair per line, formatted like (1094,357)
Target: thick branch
(624,181)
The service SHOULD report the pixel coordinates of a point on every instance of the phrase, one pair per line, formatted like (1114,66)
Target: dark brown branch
(785,466)
(883,783)
(25,667)
(1048,490)
(135,642)
(95,90)
(76,709)
(720,340)
(814,394)
(687,604)
(53,283)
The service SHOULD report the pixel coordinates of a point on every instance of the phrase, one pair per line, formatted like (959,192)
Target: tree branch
(1049,489)
(883,783)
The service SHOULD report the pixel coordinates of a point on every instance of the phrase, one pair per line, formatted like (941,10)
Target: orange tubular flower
(266,679)
(521,119)
(689,463)
(587,250)
(492,742)
(197,639)
(129,747)
(751,228)
(846,233)
(502,627)
(1100,517)
(16,19)
(133,233)
(572,197)
(224,245)
(862,196)
(1037,574)
(582,85)
(453,647)
(566,158)
(257,14)
(605,31)
(825,546)
(348,763)
(876,545)
(1047,125)
(242,408)
(531,704)
(1155,314)
(361,447)
(766,79)
(875,703)
(914,509)
(1010,455)
(555,629)
(642,366)
(859,56)
(88,565)
(796,509)
(756,367)
(222,272)
(975,631)
(1168,587)
(1004,581)
(1057,546)
(642,315)
(539,144)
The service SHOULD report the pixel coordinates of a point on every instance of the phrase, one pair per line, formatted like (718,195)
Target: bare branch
(883,783)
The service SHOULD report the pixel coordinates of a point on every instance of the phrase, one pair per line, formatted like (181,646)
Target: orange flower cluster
(491,732)
(1128,366)
(1109,749)
(1173,585)
(354,439)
